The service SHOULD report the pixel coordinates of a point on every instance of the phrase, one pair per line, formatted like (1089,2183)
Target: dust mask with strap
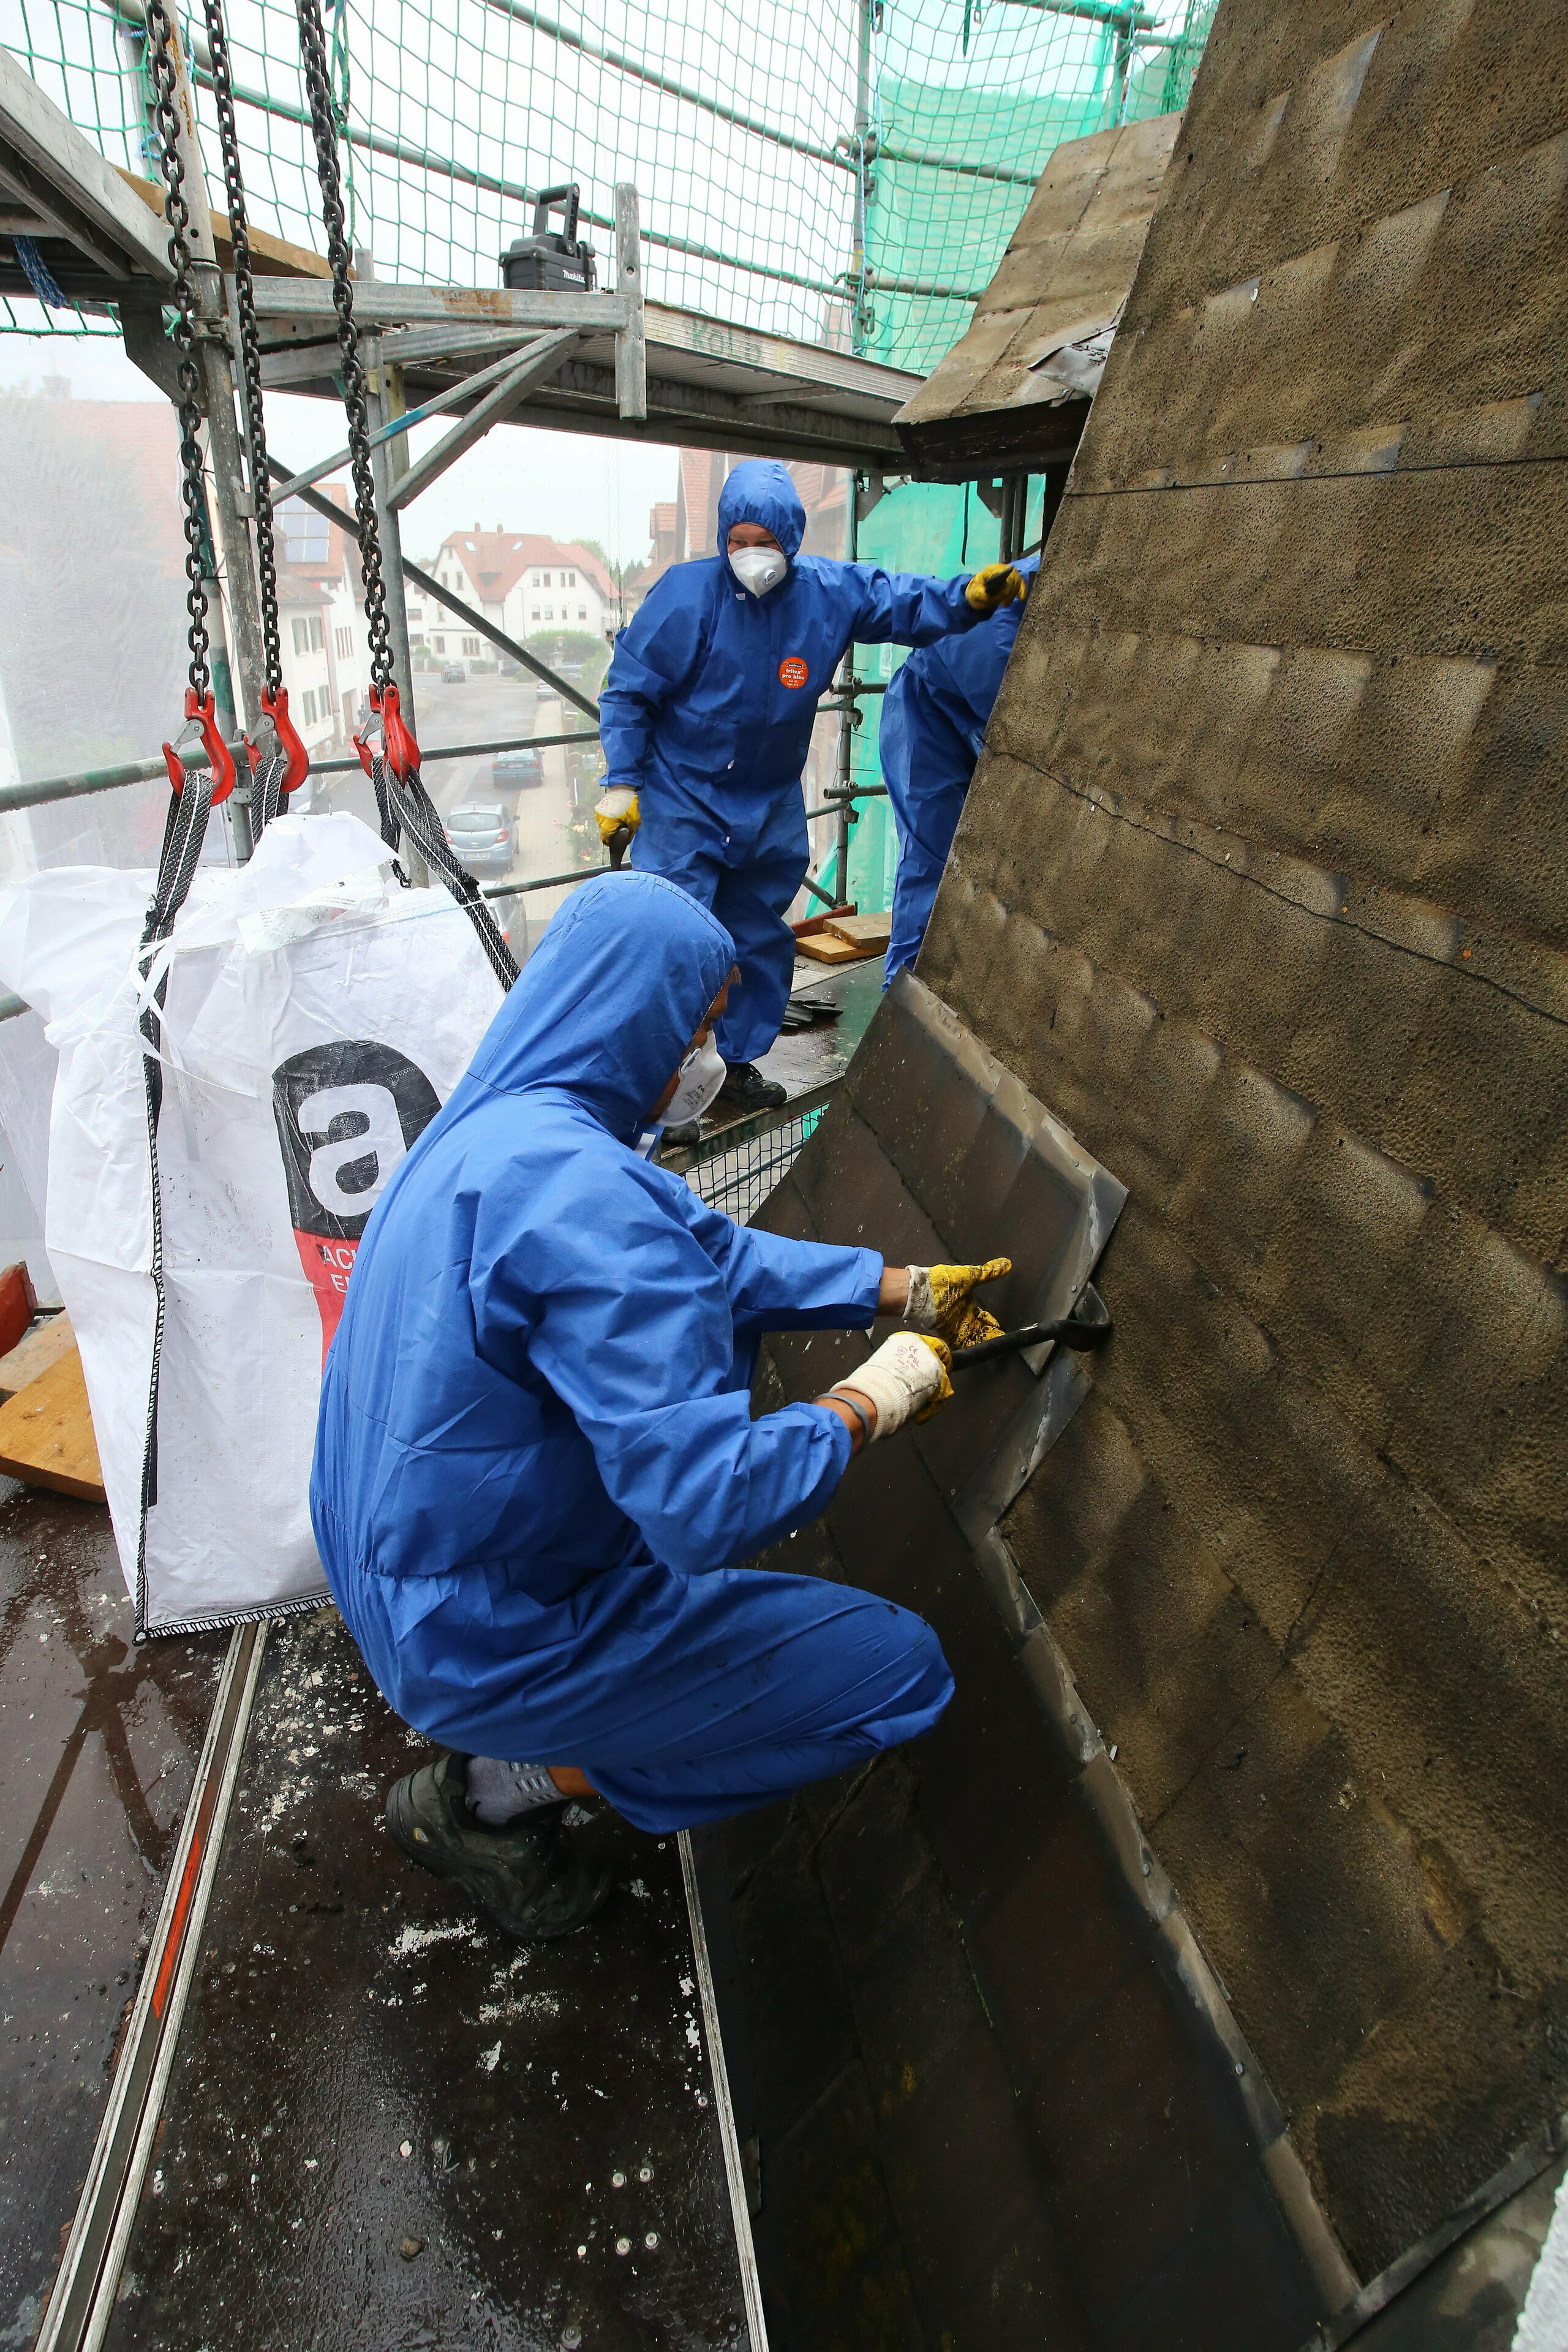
(759,568)
(701,1075)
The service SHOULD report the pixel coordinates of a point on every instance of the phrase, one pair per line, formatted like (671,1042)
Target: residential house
(527,585)
(326,664)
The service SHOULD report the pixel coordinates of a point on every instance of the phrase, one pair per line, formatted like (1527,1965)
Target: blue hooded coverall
(933,725)
(536,1465)
(707,714)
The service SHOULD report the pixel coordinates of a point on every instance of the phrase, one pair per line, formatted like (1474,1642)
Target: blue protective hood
(760,490)
(610,1001)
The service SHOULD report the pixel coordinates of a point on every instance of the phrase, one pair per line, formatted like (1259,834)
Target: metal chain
(249,345)
(160,58)
(323,127)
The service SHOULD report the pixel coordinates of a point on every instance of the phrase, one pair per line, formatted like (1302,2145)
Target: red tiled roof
(495,561)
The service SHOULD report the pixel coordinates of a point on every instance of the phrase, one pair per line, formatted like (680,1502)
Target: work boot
(526,1876)
(745,1088)
(685,1130)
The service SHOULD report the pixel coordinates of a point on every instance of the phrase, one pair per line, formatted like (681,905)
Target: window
(306,534)
(302,637)
(344,642)
(439,643)
(310,705)
(347,714)
(534,614)
(547,579)
(317,635)
(550,612)
(581,612)
(534,583)
(472,646)
(571,580)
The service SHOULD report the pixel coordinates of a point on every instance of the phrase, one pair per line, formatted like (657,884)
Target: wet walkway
(387,2125)
(100,1746)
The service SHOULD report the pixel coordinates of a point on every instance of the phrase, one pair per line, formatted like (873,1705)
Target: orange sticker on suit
(793,671)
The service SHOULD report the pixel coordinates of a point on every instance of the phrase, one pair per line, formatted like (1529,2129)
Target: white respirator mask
(759,568)
(701,1075)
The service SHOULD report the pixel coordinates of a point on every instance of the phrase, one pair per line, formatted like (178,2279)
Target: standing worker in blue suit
(706,719)
(933,725)
(536,1466)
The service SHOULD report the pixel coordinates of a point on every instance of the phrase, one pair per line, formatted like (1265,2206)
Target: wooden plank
(270,257)
(44,1344)
(46,1433)
(822,946)
(871,932)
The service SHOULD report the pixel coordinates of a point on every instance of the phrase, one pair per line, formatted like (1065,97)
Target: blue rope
(39,274)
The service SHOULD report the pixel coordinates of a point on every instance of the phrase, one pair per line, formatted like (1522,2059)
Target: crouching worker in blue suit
(706,718)
(932,730)
(536,1468)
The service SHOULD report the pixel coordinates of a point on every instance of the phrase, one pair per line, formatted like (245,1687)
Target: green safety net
(846,172)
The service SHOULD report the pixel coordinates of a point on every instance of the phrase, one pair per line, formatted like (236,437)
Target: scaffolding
(818,200)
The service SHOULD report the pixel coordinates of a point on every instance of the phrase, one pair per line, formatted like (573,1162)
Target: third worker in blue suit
(706,719)
(933,724)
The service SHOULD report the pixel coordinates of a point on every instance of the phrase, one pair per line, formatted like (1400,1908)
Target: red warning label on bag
(793,671)
(346,1113)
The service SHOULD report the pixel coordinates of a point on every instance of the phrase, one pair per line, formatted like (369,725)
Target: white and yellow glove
(615,808)
(994,585)
(906,1376)
(942,1300)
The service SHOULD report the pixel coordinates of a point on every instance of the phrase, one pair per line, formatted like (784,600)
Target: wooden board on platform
(45,1433)
(870,933)
(44,1344)
(823,946)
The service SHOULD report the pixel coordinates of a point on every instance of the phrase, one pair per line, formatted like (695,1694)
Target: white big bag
(317,1014)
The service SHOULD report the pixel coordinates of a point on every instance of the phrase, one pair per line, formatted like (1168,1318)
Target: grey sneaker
(528,1877)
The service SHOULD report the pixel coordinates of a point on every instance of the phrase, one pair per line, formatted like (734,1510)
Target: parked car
(515,772)
(454,674)
(482,837)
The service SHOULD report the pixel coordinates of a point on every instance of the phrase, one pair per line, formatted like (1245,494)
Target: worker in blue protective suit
(706,719)
(536,1468)
(933,725)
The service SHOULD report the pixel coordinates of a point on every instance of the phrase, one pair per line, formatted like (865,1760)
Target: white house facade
(525,584)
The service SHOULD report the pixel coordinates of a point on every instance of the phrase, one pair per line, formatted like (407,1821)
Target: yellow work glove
(942,1300)
(994,585)
(943,1355)
(615,808)
(906,1380)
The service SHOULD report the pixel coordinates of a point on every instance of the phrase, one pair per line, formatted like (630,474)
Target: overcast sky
(563,484)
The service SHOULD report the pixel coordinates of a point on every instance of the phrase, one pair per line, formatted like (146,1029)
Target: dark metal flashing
(1184,1963)
(1542,2153)
(988,441)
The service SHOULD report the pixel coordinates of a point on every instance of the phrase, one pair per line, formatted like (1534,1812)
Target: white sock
(499,1792)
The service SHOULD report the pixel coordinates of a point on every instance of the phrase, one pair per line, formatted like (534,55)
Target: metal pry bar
(1086,1327)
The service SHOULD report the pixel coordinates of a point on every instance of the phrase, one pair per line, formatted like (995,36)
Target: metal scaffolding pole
(387,460)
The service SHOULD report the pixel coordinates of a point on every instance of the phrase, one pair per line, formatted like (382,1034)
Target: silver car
(481,835)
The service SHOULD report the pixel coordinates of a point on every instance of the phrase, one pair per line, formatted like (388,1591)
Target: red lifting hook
(200,711)
(400,751)
(276,708)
